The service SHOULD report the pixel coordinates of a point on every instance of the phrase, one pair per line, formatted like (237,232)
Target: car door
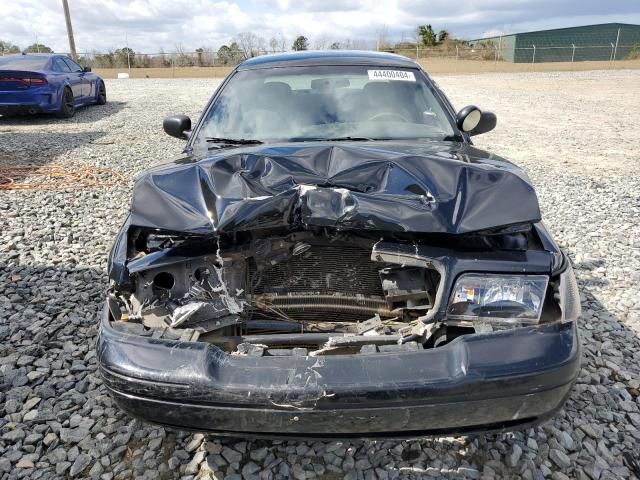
(76,69)
(74,81)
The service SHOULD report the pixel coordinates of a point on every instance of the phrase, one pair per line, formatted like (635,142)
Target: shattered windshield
(326,102)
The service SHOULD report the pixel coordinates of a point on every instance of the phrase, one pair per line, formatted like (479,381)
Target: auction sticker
(391,75)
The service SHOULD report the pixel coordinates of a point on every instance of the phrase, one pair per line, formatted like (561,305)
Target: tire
(68,109)
(101,95)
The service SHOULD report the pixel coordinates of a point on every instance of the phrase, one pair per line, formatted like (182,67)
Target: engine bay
(308,292)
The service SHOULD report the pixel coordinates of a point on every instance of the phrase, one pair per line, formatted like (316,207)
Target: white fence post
(615,50)
(573,51)
(611,56)
(533,60)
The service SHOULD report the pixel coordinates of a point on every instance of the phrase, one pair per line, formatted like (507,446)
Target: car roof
(328,57)
(39,55)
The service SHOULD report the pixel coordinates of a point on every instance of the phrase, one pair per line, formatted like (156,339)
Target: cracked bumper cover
(477,382)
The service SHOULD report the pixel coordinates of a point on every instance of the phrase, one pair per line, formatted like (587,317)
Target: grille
(322,270)
(325,283)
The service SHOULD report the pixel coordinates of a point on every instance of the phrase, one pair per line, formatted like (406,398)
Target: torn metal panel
(443,187)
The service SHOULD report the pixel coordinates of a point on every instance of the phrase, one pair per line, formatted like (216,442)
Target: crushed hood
(439,187)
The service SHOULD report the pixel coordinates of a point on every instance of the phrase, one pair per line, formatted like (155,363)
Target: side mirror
(177,126)
(86,69)
(473,121)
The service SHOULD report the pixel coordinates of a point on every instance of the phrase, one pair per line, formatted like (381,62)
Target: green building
(606,41)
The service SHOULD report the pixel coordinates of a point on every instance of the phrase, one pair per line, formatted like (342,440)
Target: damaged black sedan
(332,257)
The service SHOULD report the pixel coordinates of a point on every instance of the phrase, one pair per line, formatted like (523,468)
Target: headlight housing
(498,298)
(567,295)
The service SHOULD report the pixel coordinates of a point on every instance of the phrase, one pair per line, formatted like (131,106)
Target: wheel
(102,93)
(68,109)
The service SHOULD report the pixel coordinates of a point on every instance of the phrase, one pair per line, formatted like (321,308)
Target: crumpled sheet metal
(442,187)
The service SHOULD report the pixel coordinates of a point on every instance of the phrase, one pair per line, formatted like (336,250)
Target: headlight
(498,298)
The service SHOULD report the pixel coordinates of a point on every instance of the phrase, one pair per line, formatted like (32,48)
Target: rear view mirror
(177,126)
(86,69)
(473,121)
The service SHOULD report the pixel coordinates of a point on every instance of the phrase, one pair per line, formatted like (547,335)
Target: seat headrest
(277,89)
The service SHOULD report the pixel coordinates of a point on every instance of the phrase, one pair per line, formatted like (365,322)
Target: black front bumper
(495,381)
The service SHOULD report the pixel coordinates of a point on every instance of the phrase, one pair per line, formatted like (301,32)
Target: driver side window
(60,66)
(73,65)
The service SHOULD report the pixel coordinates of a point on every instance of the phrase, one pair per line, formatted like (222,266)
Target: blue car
(36,83)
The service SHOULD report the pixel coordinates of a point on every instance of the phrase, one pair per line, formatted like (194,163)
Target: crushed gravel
(575,133)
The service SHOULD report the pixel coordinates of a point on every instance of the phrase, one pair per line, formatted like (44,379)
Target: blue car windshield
(22,62)
(327,102)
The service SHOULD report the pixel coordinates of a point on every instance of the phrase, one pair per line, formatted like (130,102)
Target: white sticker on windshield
(391,75)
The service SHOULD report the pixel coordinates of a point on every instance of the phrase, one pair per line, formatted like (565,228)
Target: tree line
(7,48)
(243,46)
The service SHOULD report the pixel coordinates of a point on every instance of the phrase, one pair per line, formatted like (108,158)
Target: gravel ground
(575,133)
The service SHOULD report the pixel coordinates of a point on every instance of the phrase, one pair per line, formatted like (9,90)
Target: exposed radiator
(323,270)
(324,283)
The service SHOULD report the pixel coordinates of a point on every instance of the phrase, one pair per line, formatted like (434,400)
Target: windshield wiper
(350,139)
(332,139)
(233,141)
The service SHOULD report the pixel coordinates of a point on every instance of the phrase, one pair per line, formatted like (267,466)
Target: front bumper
(497,381)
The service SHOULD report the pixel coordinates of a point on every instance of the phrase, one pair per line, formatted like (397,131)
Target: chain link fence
(127,58)
(530,54)
(456,55)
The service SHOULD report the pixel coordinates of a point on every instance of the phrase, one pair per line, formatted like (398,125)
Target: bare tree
(283,43)
(320,43)
(382,42)
(160,60)
(208,56)
(278,43)
(181,58)
(273,44)
(250,44)
(355,44)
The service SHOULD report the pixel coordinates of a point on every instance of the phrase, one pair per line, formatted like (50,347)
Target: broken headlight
(498,298)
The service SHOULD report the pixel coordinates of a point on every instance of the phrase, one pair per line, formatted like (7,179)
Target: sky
(151,26)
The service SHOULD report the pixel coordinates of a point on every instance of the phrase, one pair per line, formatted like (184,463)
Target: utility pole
(67,17)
